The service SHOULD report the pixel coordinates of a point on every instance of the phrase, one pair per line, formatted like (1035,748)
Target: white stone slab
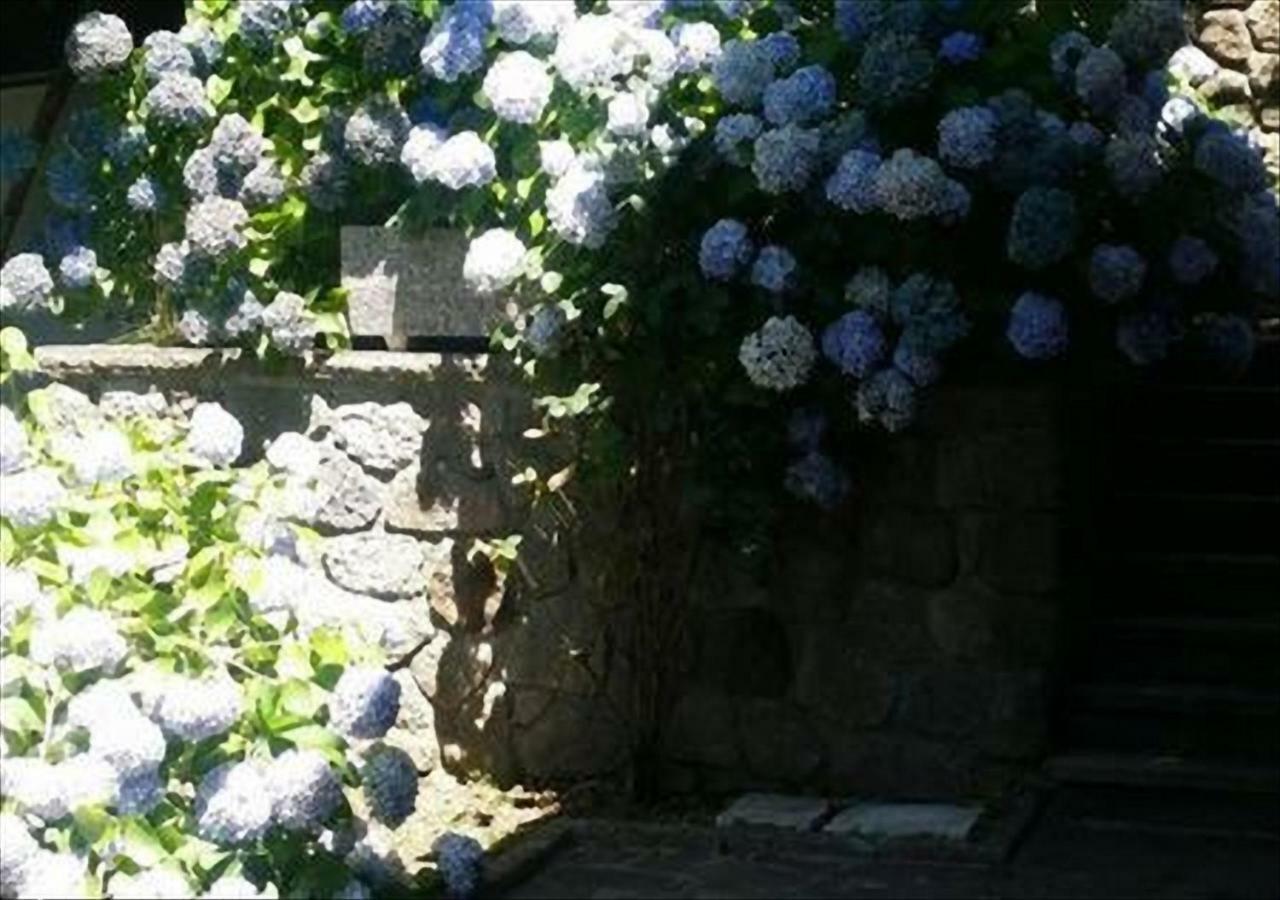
(888,821)
(775,811)
(402,287)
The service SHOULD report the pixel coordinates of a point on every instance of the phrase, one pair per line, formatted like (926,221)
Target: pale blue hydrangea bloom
(363,15)
(455,46)
(961,47)
(98,45)
(459,859)
(1116,272)
(742,72)
(887,398)
(1147,32)
(375,132)
(855,343)
(785,158)
(774,269)
(805,96)
(783,49)
(697,45)
(725,248)
(164,53)
(1226,341)
(127,144)
(204,44)
(1037,327)
(26,282)
(735,135)
(389,780)
(67,181)
(262,22)
(815,478)
(178,101)
(324,181)
(967,137)
(910,186)
(1043,228)
(1065,52)
(579,208)
(77,268)
(857,20)
(871,289)
(852,186)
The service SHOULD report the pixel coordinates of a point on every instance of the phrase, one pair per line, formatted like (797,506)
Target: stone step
(1204,523)
(1250,817)
(1191,582)
(1164,772)
(1244,651)
(1198,465)
(1198,410)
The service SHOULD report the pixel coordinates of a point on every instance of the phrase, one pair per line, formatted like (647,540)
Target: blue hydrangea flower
(858,20)
(725,248)
(67,180)
(263,21)
(1037,327)
(1043,228)
(961,47)
(928,311)
(921,368)
(785,158)
(855,343)
(817,479)
(852,186)
(1134,164)
(127,144)
(1116,272)
(1226,341)
(1145,337)
(783,48)
(362,15)
(805,96)
(455,46)
(894,69)
(1191,260)
(17,154)
(806,428)
(887,398)
(77,268)
(1231,162)
(1100,80)
(774,269)
(967,137)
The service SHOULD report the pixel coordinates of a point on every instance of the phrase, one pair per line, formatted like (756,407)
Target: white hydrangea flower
(31,498)
(215,227)
(628,114)
(234,804)
(579,208)
(422,143)
(26,282)
(263,185)
(101,704)
(659,53)
(215,436)
(164,53)
(305,790)
(19,592)
(555,157)
(593,51)
(102,456)
(375,133)
(18,849)
(522,21)
(55,791)
(780,356)
(518,87)
(464,160)
(233,887)
(196,329)
(153,884)
(365,703)
(697,45)
(191,709)
(289,323)
(178,100)
(98,45)
(774,269)
(62,875)
(82,640)
(494,260)
(725,248)
(15,448)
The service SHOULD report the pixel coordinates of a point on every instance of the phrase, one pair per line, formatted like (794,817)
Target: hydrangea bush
(180,715)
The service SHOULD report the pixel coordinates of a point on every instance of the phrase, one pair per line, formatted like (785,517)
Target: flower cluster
(168,701)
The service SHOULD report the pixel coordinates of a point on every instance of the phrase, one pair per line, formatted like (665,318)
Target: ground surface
(1057,859)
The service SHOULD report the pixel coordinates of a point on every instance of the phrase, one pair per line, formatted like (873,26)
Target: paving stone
(776,811)
(888,821)
(389,566)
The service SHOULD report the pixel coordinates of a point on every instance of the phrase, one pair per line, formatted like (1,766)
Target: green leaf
(16,715)
(305,111)
(218,89)
(141,842)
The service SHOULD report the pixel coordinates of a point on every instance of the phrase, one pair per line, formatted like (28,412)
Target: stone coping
(59,361)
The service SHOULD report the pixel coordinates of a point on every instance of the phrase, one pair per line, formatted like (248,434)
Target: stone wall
(900,650)
(906,650)
(1243,39)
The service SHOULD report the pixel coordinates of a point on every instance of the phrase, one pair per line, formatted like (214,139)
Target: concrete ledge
(65,361)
